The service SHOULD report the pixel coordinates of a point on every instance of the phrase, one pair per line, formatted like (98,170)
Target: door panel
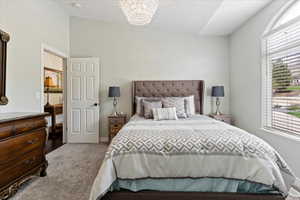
(90,88)
(76,88)
(90,119)
(83,79)
(75,121)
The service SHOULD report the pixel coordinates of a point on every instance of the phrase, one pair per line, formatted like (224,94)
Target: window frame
(265,66)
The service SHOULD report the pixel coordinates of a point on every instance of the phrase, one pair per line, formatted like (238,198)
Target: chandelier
(139,12)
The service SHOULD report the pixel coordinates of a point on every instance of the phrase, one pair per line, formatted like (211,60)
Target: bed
(197,158)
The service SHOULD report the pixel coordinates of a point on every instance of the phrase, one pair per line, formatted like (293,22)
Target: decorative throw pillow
(178,103)
(164,114)
(148,106)
(139,103)
(189,103)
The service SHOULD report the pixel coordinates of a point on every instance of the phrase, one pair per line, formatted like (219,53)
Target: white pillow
(189,103)
(164,114)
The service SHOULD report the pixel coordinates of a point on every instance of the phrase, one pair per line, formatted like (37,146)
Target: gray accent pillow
(178,103)
(139,103)
(164,114)
(148,106)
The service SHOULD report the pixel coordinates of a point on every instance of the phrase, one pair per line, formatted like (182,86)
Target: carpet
(71,172)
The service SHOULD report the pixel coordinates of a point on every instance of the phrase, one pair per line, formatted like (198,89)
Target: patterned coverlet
(197,147)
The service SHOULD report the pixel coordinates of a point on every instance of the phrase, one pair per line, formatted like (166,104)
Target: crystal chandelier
(139,12)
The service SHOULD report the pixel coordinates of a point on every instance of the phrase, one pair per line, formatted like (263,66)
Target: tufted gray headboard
(169,89)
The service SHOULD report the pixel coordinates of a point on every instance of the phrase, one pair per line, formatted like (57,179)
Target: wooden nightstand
(115,123)
(223,118)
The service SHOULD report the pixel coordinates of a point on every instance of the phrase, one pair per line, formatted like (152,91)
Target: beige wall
(30,23)
(129,53)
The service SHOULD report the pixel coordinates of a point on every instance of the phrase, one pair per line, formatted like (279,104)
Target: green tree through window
(281,77)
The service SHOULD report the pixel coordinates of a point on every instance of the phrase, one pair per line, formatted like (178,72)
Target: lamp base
(114,114)
(115,104)
(218,102)
(218,113)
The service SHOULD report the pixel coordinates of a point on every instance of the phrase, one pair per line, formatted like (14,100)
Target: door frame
(65,57)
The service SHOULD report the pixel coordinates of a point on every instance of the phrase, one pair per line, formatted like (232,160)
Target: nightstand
(223,118)
(115,123)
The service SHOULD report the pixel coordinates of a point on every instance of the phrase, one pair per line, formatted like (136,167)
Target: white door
(83,100)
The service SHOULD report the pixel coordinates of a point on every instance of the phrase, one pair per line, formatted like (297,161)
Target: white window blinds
(281,80)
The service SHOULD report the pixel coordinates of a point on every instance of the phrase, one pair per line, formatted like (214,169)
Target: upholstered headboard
(169,89)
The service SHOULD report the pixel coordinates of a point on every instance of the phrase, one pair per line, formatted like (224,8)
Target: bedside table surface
(223,117)
(117,116)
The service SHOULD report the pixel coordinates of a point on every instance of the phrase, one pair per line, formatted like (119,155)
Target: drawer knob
(30,161)
(32,141)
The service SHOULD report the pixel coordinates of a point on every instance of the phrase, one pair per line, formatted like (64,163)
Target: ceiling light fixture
(139,12)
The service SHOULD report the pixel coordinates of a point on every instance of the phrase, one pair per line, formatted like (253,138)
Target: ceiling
(205,17)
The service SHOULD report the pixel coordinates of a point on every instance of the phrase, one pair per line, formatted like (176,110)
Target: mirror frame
(4,38)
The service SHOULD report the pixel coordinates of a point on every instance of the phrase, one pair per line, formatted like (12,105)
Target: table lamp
(218,91)
(114,92)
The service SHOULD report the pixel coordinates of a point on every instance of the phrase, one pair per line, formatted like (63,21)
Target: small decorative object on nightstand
(218,91)
(224,118)
(115,123)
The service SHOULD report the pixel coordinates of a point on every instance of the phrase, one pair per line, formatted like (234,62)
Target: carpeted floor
(71,172)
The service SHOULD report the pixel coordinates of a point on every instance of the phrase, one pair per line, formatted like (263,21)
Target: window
(288,16)
(281,74)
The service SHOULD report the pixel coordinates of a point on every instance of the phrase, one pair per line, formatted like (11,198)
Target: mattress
(197,150)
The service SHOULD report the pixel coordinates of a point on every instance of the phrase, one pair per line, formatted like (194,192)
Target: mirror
(4,38)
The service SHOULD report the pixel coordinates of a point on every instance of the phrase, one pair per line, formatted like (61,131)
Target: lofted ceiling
(206,17)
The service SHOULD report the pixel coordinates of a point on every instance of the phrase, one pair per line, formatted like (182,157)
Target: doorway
(53,102)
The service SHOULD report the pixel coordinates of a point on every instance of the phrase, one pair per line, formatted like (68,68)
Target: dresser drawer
(6,130)
(21,166)
(117,121)
(13,148)
(27,125)
(12,128)
(115,128)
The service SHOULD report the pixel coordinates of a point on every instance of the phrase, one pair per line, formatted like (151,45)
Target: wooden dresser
(22,150)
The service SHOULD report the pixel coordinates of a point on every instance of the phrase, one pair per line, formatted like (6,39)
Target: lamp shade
(218,91)
(114,92)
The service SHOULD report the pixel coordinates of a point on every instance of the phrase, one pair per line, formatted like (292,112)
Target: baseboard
(104,139)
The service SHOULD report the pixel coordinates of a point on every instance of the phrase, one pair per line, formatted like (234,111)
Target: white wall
(30,23)
(129,53)
(245,85)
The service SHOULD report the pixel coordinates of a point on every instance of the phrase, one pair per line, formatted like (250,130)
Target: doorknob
(96,104)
